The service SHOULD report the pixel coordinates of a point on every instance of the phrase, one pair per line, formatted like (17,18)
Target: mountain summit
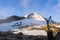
(35,16)
(15,22)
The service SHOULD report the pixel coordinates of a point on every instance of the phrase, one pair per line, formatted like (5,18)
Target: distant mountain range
(11,19)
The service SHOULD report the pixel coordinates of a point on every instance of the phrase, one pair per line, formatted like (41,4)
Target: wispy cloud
(57,7)
(25,3)
(56,11)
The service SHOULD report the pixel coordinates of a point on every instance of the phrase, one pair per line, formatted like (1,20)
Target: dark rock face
(11,18)
(14,18)
(57,37)
(1,21)
(30,15)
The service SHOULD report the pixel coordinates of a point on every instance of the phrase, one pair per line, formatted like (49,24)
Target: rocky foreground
(20,36)
(10,36)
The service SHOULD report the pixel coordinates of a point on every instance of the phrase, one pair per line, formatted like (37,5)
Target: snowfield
(30,32)
(8,27)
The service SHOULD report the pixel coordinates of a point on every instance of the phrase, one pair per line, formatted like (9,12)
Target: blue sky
(45,8)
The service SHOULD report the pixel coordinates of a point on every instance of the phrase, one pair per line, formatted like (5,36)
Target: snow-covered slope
(31,19)
(9,26)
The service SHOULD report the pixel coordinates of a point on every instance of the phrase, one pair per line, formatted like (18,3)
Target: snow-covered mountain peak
(35,16)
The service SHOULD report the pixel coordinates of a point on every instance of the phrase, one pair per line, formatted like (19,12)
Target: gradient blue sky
(45,8)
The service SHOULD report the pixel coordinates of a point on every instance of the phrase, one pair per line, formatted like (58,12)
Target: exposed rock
(11,19)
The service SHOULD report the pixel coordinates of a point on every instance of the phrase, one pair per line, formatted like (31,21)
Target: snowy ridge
(35,16)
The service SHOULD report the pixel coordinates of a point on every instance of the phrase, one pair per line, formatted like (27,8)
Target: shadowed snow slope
(8,26)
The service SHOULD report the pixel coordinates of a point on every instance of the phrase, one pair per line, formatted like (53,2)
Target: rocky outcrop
(14,18)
